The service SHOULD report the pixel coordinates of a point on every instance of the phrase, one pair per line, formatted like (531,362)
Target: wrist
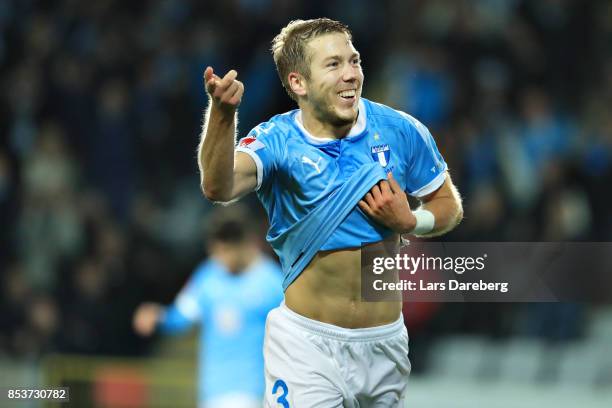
(221,114)
(409,225)
(425,222)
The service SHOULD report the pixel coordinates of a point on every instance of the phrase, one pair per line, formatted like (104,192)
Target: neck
(321,128)
(247,259)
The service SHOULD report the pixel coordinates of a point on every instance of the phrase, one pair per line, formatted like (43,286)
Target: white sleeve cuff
(432,186)
(188,307)
(257,161)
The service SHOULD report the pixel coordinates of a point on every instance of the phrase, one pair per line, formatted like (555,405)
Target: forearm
(172,321)
(447,210)
(447,213)
(216,153)
(216,149)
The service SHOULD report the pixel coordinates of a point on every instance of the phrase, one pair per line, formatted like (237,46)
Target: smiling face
(332,89)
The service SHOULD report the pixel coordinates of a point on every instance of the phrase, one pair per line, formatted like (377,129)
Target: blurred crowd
(102,106)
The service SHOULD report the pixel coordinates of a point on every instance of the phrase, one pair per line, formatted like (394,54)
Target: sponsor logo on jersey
(382,154)
(310,162)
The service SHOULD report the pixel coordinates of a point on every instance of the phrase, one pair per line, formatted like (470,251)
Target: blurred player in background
(230,295)
(331,176)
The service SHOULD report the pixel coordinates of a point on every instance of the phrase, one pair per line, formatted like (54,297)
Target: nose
(350,73)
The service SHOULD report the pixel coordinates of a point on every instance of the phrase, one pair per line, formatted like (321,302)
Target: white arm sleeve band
(425,222)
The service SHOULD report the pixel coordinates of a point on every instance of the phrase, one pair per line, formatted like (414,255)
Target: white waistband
(341,333)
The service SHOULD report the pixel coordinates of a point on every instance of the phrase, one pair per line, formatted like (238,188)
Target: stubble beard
(326,111)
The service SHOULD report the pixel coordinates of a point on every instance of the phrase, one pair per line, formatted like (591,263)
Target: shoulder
(382,113)
(205,269)
(277,125)
(386,115)
(271,134)
(200,277)
(204,266)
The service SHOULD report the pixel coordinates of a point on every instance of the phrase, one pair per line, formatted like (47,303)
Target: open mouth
(348,95)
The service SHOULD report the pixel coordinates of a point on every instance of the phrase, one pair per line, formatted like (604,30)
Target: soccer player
(230,294)
(332,177)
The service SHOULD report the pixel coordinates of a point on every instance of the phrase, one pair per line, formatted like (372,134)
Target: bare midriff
(329,291)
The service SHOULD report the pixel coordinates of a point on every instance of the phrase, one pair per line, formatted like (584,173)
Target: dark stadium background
(100,112)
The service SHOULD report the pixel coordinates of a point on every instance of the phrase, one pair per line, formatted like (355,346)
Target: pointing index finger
(208,74)
(211,80)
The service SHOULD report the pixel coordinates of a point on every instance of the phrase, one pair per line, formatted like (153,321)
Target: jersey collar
(356,130)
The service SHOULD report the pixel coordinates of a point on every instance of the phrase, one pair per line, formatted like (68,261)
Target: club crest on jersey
(382,154)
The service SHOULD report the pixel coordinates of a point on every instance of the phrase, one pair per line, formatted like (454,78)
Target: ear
(297,83)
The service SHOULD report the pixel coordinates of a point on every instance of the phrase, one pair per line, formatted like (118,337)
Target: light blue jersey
(298,172)
(232,310)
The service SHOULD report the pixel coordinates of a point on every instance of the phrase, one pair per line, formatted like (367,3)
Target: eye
(356,61)
(332,64)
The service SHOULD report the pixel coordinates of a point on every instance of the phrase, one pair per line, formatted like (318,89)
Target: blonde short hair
(289,47)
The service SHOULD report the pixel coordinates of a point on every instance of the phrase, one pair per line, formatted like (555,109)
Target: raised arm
(224,176)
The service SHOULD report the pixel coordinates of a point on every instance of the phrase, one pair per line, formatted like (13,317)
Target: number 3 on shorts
(282,398)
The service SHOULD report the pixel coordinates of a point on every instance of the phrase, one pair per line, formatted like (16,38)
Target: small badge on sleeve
(251,143)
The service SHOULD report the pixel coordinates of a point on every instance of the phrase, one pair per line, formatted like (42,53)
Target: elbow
(214,194)
(458,206)
(459,213)
(459,216)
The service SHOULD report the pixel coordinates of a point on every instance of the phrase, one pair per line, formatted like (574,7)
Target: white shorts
(309,364)
(233,401)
